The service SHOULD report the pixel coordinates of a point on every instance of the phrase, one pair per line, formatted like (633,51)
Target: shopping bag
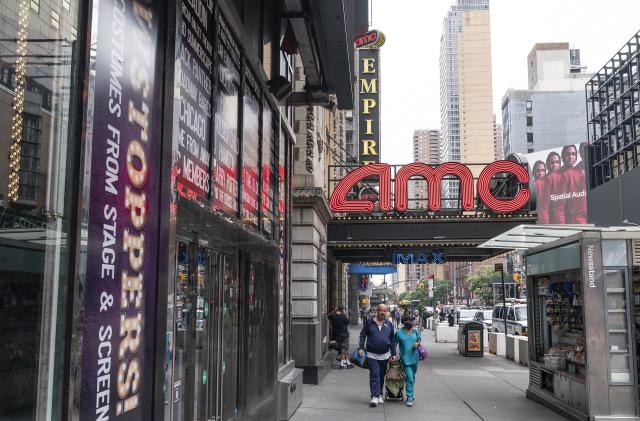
(359,361)
(423,352)
(395,371)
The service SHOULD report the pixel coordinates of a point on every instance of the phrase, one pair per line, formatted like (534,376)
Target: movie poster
(558,184)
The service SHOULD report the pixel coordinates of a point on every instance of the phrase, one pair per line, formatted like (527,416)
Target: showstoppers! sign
(433,176)
(122,243)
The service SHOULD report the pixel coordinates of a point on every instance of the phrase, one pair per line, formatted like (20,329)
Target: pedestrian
(378,338)
(408,339)
(363,315)
(397,318)
(340,334)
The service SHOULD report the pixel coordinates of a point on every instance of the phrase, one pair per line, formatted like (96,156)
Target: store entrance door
(198,365)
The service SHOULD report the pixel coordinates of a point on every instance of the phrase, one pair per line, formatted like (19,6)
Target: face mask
(408,325)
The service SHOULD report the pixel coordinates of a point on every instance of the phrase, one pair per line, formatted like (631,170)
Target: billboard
(558,184)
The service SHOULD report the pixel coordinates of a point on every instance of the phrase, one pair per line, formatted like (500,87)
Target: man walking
(340,334)
(378,338)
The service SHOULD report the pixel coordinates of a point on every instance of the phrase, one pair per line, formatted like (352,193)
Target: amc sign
(419,257)
(433,177)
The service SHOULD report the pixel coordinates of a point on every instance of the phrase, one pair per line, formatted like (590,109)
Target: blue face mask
(408,325)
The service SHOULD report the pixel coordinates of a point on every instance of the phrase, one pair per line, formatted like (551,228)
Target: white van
(516,319)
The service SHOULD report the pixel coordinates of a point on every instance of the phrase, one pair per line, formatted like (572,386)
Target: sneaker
(349,365)
(380,400)
(374,402)
(409,402)
(341,365)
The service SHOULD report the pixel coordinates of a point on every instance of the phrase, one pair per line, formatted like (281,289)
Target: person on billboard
(539,170)
(546,186)
(574,175)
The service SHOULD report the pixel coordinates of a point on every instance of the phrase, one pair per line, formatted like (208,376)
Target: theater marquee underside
(370,239)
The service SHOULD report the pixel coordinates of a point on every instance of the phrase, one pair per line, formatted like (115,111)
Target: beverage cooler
(583,295)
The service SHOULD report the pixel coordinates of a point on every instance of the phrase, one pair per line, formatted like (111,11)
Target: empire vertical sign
(369,100)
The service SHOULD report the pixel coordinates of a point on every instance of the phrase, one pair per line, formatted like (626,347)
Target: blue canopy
(371,270)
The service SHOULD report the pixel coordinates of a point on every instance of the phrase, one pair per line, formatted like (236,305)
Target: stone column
(309,341)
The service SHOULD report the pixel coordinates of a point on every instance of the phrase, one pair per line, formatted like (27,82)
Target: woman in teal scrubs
(409,339)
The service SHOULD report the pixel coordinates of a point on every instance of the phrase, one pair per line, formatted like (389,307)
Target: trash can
(470,339)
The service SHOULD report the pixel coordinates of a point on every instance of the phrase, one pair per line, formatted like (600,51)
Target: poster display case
(581,347)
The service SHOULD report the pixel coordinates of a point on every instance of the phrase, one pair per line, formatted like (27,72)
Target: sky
(409,63)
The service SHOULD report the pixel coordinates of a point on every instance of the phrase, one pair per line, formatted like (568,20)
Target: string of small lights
(18,102)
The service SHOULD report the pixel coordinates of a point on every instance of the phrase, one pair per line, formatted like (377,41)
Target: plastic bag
(358,360)
(423,352)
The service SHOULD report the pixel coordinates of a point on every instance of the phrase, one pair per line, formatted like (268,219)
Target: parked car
(516,319)
(466,315)
(484,316)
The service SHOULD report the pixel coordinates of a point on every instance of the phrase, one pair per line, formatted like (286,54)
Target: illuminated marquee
(371,39)
(420,257)
(433,177)
(368,57)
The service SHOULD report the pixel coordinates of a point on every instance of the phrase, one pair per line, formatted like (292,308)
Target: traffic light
(420,285)
(517,277)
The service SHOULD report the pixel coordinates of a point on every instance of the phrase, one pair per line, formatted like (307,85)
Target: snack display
(561,324)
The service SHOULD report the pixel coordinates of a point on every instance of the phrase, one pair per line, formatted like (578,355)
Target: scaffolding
(613,114)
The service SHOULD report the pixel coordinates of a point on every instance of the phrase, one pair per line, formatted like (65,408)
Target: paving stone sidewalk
(448,387)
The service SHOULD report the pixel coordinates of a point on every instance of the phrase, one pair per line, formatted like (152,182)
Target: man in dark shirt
(378,339)
(340,334)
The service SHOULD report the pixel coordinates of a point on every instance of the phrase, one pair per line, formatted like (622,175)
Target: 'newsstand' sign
(122,244)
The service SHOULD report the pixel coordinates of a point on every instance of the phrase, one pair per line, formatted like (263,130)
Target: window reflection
(37,52)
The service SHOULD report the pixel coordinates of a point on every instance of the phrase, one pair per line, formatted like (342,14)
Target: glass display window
(559,318)
(38,213)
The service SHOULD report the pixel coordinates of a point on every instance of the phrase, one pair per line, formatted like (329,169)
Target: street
(448,386)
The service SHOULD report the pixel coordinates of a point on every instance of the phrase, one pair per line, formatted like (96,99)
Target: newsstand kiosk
(582,334)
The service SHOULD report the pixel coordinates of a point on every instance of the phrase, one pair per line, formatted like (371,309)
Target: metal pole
(504,303)
(455,297)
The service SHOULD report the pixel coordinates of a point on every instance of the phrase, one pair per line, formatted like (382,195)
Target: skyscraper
(426,149)
(551,112)
(466,99)
(498,149)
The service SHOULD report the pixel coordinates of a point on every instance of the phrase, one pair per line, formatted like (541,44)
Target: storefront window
(38,149)
(250,148)
(226,125)
(559,321)
(282,251)
(268,171)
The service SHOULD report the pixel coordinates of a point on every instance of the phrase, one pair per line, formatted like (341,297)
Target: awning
(524,237)
(324,32)
(371,269)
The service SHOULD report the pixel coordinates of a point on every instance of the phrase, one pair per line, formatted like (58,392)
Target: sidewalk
(448,387)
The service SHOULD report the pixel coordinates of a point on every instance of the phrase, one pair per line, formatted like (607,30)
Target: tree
(480,284)
(441,290)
